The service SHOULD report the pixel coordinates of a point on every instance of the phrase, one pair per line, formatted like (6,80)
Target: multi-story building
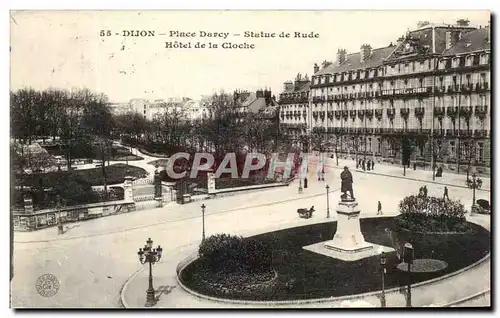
(431,89)
(119,108)
(294,109)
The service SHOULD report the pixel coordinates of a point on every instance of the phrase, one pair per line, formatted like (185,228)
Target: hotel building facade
(431,88)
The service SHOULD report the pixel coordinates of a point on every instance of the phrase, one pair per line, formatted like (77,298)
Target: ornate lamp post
(150,255)
(408,256)
(203,221)
(383,262)
(474,186)
(327,202)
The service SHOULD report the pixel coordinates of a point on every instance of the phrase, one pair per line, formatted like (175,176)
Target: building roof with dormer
(353,61)
(473,41)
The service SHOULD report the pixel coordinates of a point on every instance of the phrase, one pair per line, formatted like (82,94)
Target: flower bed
(302,274)
(425,214)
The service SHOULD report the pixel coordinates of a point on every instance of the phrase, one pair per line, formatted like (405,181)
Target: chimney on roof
(400,40)
(489,31)
(452,37)
(316,68)
(366,52)
(288,85)
(341,56)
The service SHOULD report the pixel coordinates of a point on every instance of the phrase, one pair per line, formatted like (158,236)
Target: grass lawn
(316,276)
(119,153)
(114,174)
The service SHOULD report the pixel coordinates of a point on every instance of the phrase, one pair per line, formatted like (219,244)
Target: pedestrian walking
(445,195)
(305,183)
(425,191)
(368,165)
(379,208)
(60,226)
(373,165)
(364,165)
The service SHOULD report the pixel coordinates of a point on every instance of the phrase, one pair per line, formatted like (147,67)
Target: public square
(96,258)
(301,167)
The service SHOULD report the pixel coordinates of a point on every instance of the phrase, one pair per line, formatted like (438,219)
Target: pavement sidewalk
(449,179)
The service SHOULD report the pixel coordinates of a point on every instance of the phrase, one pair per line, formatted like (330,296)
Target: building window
(442,64)
(480,152)
(484,58)
(456,62)
(452,149)
(482,78)
(469,60)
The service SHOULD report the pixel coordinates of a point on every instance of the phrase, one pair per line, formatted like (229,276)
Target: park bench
(305,213)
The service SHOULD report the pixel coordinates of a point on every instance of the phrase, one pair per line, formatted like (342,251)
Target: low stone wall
(48,218)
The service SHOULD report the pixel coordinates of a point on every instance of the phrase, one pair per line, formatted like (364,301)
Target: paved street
(95,258)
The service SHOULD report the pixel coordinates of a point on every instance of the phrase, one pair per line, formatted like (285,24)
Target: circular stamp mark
(47,285)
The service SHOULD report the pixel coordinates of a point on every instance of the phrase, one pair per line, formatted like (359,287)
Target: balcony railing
(465,111)
(451,111)
(451,132)
(466,132)
(293,100)
(391,112)
(439,111)
(419,112)
(480,87)
(318,99)
(480,133)
(480,111)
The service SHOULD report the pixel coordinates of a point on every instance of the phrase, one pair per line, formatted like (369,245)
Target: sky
(64,49)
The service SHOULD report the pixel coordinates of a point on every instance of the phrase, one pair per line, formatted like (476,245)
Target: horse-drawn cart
(305,213)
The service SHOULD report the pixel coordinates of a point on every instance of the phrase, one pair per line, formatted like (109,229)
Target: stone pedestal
(128,189)
(348,238)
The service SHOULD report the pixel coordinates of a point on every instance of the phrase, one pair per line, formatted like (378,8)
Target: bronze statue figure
(346,185)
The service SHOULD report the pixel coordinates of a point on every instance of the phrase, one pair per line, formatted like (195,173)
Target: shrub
(228,253)
(431,214)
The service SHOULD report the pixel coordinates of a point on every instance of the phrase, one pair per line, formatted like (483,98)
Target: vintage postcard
(250,159)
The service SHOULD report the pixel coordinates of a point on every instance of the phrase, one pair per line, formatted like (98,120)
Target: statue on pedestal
(346,185)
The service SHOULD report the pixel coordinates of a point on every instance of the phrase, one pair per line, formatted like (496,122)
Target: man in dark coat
(445,195)
(346,185)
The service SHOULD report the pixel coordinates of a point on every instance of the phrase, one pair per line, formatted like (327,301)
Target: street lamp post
(383,262)
(473,185)
(203,221)
(408,256)
(327,202)
(150,255)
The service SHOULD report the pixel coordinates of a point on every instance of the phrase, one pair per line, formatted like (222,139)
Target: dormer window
(484,58)
(456,62)
(469,60)
(442,64)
